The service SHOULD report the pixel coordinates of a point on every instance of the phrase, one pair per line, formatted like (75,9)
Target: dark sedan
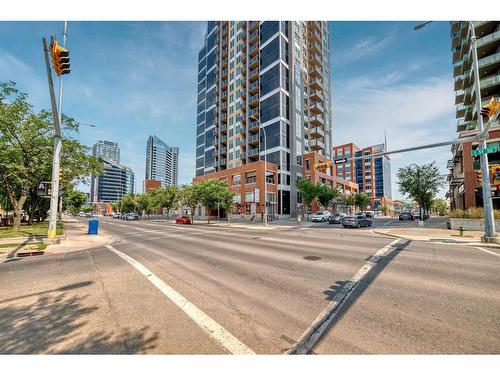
(406,216)
(130,216)
(356,221)
(336,219)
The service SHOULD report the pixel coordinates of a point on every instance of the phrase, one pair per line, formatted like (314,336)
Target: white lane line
(488,251)
(210,326)
(312,334)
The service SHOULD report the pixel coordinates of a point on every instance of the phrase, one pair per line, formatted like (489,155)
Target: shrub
(472,213)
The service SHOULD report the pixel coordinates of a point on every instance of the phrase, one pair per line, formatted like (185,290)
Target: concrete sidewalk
(76,238)
(273,225)
(435,235)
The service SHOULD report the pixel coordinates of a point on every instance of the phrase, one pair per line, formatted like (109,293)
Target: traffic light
(60,58)
(495,174)
(491,108)
(479,177)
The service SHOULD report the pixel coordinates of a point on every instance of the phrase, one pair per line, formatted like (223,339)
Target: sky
(134,79)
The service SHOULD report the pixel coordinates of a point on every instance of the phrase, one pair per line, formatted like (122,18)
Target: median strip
(313,333)
(207,324)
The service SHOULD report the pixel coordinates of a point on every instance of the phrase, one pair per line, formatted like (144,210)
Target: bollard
(461,231)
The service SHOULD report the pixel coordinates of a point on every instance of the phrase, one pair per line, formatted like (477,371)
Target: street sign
(340,161)
(43,189)
(256,195)
(487,150)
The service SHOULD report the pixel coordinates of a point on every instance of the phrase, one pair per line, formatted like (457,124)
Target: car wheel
(358,226)
(369,224)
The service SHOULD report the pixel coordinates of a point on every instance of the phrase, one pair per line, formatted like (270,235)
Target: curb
(441,241)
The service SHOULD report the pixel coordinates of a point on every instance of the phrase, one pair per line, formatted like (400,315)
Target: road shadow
(363,285)
(11,256)
(56,323)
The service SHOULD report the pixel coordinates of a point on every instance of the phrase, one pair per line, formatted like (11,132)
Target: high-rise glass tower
(162,162)
(116,179)
(264,79)
(107,150)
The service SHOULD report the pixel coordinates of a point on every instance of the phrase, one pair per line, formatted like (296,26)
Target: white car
(320,216)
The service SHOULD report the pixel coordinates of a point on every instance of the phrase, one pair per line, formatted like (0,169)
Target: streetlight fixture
(489,221)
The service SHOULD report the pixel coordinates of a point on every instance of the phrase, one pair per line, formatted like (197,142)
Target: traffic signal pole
(57,149)
(489,220)
(61,81)
(56,161)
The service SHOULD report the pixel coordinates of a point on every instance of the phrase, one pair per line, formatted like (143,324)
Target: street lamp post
(265,176)
(489,221)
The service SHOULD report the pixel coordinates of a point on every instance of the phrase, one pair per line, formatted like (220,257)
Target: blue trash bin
(93,226)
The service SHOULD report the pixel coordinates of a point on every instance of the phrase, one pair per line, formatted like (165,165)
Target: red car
(183,220)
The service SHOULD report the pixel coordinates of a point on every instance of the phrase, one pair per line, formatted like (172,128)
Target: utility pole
(489,220)
(56,162)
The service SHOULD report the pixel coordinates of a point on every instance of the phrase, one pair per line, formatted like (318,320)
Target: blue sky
(133,79)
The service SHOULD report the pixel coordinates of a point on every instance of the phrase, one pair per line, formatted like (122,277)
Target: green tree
(168,198)
(326,194)
(73,200)
(144,203)
(421,184)
(213,194)
(384,209)
(26,142)
(189,197)
(440,206)
(128,203)
(362,200)
(308,190)
(349,200)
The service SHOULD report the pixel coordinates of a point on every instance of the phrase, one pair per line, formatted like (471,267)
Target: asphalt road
(262,287)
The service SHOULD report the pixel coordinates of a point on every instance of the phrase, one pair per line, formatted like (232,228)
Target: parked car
(81,214)
(131,216)
(336,218)
(369,214)
(88,214)
(356,221)
(360,214)
(406,216)
(183,220)
(116,215)
(320,216)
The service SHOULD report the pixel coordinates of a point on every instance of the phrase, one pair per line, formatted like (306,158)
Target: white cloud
(363,48)
(412,114)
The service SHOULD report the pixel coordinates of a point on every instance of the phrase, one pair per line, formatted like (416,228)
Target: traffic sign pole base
(490,239)
(51,233)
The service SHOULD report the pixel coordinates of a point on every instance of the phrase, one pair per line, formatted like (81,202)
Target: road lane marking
(312,334)
(389,222)
(207,324)
(488,251)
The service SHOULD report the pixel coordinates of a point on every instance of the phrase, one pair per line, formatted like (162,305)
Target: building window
(236,180)
(269,53)
(270,108)
(268,29)
(270,80)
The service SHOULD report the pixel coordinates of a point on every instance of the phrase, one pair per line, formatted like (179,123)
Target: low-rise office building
(247,184)
(372,175)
